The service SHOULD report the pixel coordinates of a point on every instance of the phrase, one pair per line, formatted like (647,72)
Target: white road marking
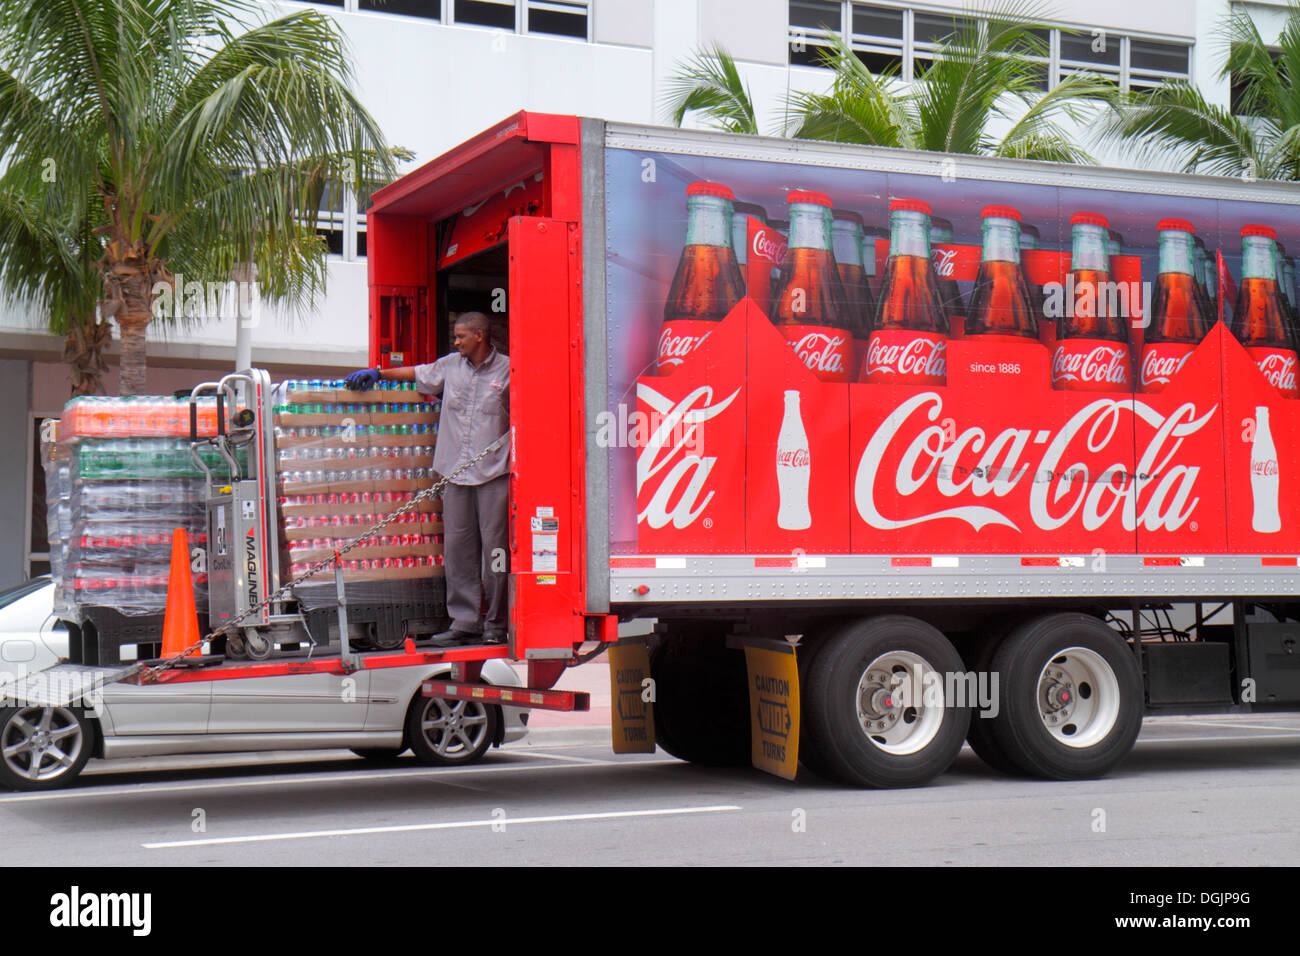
(1215,740)
(1227,726)
(305,778)
(456,825)
(590,760)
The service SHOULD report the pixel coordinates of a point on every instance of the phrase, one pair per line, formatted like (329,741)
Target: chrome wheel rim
(454,728)
(1078,697)
(41,743)
(900,708)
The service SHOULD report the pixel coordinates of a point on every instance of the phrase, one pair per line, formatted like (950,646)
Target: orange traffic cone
(181,622)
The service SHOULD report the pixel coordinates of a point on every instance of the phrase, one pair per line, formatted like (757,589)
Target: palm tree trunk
(83,352)
(131,278)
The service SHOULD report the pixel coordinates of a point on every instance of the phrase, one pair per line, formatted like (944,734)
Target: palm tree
(710,83)
(1175,120)
(50,265)
(201,137)
(979,77)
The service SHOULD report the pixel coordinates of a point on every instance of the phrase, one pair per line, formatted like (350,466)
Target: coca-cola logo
(1264,468)
(798,458)
(768,245)
(920,356)
(673,349)
(821,351)
(671,455)
(1071,479)
(1280,370)
(1102,364)
(944,261)
(1158,367)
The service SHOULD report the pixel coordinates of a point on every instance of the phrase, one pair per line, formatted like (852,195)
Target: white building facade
(434,72)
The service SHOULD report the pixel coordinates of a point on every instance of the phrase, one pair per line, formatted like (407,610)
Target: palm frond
(710,83)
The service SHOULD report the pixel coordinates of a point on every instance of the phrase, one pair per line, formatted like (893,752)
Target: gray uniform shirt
(475,412)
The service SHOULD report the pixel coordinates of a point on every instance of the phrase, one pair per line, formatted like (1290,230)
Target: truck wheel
(701,698)
(874,711)
(806,651)
(980,736)
(43,748)
(450,732)
(1070,697)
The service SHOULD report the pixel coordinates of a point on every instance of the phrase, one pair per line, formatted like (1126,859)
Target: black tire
(446,733)
(809,754)
(378,754)
(57,739)
(980,736)
(1102,680)
(854,658)
(701,705)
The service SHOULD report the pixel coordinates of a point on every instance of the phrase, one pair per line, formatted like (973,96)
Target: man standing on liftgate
(475,384)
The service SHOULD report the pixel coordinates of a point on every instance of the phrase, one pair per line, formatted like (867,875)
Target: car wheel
(42,748)
(379,754)
(451,732)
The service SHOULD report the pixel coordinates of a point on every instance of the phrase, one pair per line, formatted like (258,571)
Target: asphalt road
(1200,791)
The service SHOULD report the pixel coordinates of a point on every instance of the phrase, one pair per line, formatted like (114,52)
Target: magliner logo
(1062,487)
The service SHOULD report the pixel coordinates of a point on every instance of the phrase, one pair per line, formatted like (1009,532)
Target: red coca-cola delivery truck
(882,486)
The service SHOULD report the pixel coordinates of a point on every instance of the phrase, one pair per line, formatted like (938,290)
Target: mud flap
(632,716)
(773,707)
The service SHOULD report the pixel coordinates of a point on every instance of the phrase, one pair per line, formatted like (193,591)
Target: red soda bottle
(1178,317)
(808,304)
(1000,305)
(1258,321)
(941,235)
(850,262)
(708,283)
(909,339)
(1092,353)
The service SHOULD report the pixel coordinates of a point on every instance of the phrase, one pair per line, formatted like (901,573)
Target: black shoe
(454,638)
(495,636)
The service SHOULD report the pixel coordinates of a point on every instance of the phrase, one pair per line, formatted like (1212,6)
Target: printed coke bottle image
(1258,321)
(1000,305)
(1030,240)
(741,211)
(808,303)
(1265,481)
(1202,263)
(1286,286)
(1091,344)
(793,468)
(846,237)
(708,283)
(941,235)
(1178,317)
(909,339)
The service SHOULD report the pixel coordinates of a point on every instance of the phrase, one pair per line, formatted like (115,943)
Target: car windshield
(22,590)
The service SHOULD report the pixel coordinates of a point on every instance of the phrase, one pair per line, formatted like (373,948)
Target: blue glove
(362,380)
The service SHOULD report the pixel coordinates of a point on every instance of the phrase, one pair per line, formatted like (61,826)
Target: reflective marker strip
(1279,562)
(672,563)
(1161,562)
(792,561)
(1052,561)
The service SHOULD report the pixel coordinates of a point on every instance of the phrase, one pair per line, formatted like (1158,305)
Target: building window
(1237,97)
(904,40)
(486,13)
(429,9)
(566,18)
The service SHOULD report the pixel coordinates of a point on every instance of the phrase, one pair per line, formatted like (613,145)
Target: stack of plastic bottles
(130,480)
(345,460)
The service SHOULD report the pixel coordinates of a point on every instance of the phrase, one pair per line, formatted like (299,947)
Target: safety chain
(150,673)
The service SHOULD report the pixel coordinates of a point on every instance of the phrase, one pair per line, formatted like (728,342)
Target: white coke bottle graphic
(793,468)
(1265,481)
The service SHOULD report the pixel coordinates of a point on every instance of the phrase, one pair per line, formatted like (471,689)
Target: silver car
(377,714)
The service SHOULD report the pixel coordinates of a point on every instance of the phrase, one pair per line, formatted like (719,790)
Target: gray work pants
(476,554)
